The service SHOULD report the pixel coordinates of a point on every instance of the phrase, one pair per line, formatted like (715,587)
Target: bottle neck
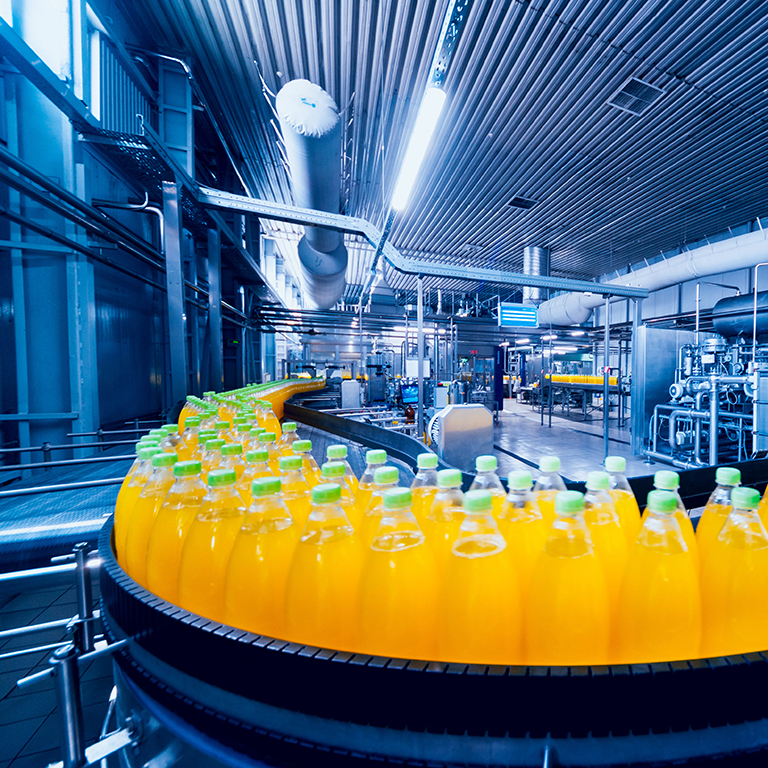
(222,501)
(397,531)
(267,514)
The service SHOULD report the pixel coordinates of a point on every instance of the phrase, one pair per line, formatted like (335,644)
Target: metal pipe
(420,347)
(656,456)
(17,631)
(61,487)
(66,447)
(67,678)
(606,375)
(65,462)
(84,597)
(714,406)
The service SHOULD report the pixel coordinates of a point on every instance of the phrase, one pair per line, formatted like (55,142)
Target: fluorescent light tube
(426,121)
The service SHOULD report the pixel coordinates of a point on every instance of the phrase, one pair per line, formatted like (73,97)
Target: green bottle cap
(478,501)
(486,464)
(290,426)
(219,477)
(204,433)
(208,394)
(326,493)
(745,498)
(598,481)
(156,433)
(222,425)
(232,449)
(266,486)
(666,480)
(290,463)
(259,456)
(662,502)
(520,481)
(386,475)
(171,429)
(143,444)
(187,468)
(268,437)
(727,476)
(332,469)
(549,464)
(302,446)
(145,454)
(397,498)
(164,431)
(215,444)
(335,452)
(377,456)
(615,464)
(426,461)
(164,459)
(449,478)
(192,421)
(569,503)
(238,420)
(257,430)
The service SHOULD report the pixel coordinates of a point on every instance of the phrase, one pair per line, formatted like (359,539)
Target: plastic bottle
(334,472)
(623,498)
(232,458)
(289,437)
(446,513)
(189,438)
(295,489)
(523,527)
(254,592)
(659,610)
(253,439)
(486,479)
(480,589)
(187,410)
(209,419)
(144,514)
(268,419)
(310,469)
(143,443)
(127,496)
(211,455)
(424,485)
(208,545)
(568,613)
(717,509)
(202,437)
(222,431)
(665,480)
(256,467)
(373,460)
(166,539)
(267,440)
(321,600)
(172,440)
(339,453)
(548,485)
(608,538)
(399,585)
(383,479)
(734,581)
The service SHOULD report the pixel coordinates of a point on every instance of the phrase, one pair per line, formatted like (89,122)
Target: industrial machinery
(459,433)
(718,402)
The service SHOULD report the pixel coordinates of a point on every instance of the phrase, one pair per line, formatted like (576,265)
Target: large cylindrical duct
(311,128)
(535,262)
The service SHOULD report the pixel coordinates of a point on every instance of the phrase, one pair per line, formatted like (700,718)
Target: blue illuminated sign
(518,315)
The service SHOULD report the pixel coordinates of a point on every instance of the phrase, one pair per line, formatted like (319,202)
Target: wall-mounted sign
(518,315)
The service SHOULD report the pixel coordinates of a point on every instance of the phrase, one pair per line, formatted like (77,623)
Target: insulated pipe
(535,262)
(744,251)
(311,128)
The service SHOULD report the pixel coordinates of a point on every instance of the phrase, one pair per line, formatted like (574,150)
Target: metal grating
(635,97)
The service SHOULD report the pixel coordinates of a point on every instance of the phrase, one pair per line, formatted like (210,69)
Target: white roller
(311,128)
(739,252)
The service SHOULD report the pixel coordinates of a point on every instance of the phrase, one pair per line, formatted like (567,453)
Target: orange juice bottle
(486,479)
(202,437)
(568,613)
(717,509)
(189,438)
(232,458)
(446,513)
(548,485)
(339,453)
(608,538)
(480,589)
(176,513)
(255,468)
(623,498)
(321,598)
(187,411)
(334,472)
(522,526)
(734,581)
(665,480)
(222,431)
(208,545)
(127,496)
(296,491)
(145,442)
(311,471)
(172,440)
(424,485)
(373,460)
(659,612)
(268,419)
(144,514)
(254,591)
(399,585)
(211,455)
(383,479)
(289,437)
(209,418)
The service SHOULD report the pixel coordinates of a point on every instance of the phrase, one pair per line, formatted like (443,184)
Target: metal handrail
(66,462)
(60,487)
(68,447)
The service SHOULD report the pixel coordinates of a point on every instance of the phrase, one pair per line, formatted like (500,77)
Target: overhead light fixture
(549,337)
(521,341)
(561,350)
(426,122)
(577,333)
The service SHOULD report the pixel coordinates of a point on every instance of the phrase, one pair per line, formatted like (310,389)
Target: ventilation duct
(311,128)
(535,262)
(740,252)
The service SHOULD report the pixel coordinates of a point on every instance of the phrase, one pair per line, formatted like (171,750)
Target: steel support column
(174,275)
(606,375)
(636,407)
(420,346)
(214,309)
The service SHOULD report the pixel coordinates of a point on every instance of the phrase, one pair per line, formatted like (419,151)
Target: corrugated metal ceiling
(527,116)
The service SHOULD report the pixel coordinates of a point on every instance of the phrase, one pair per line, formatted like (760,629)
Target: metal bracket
(107,746)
